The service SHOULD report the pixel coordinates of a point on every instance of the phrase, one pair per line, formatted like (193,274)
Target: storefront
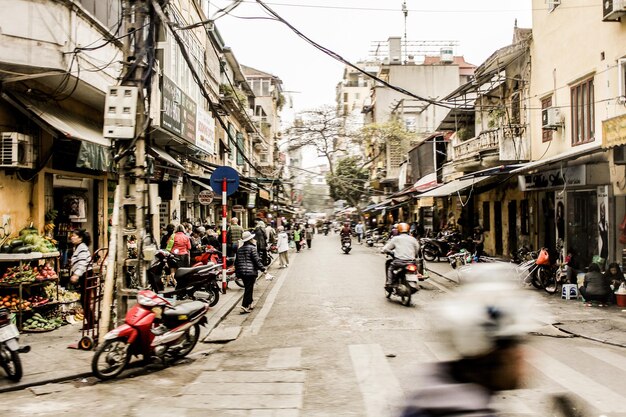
(571,203)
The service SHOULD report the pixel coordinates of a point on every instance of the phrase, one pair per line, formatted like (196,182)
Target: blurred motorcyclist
(483,325)
(405,249)
(346,230)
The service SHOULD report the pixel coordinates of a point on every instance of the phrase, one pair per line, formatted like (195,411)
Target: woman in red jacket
(182,245)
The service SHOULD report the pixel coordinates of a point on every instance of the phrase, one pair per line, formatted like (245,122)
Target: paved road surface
(324,341)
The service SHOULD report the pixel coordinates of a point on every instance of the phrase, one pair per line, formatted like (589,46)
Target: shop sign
(571,176)
(178,111)
(205,132)
(614,132)
(264,194)
(205,197)
(238,209)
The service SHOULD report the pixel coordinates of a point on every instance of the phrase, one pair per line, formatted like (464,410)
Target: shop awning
(569,155)
(453,187)
(501,169)
(166,157)
(201,184)
(66,122)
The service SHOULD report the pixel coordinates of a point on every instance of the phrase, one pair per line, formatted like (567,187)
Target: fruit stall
(29,283)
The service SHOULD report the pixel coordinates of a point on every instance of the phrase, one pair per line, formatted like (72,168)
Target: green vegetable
(16,242)
(5,249)
(23,249)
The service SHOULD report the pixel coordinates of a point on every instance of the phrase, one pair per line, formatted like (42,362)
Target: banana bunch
(79,316)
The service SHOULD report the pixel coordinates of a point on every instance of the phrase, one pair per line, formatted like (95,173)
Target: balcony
(492,147)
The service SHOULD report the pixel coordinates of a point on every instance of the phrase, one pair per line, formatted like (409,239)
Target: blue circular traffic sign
(232,180)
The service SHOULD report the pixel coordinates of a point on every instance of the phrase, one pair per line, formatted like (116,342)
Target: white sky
(348,28)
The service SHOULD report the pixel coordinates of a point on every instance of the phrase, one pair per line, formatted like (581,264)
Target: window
(241,148)
(546,134)
(583,125)
(345,97)
(525,214)
(486,216)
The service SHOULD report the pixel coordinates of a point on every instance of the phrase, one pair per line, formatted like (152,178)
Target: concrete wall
(568,46)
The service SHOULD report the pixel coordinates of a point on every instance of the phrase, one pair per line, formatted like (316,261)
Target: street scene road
(324,340)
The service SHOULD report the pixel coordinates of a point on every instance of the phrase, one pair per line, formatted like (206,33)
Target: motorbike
(191,283)
(441,246)
(406,279)
(9,347)
(214,257)
(153,328)
(346,244)
(325,230)
(550,272)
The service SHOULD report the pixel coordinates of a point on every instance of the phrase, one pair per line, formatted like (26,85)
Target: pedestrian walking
(308,235)
(270,235)
(247,267)
(297,237)
(359,229)
(282,245)
(234,235)
(261,242)
(181,246)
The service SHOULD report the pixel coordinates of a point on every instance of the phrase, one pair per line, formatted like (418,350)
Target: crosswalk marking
(379,387)
(284,358)
(608,356)
(599,396)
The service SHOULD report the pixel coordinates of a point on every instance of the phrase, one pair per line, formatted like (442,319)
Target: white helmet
(487,311)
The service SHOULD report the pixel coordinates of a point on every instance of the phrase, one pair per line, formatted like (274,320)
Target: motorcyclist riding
(405,250)
(345,230)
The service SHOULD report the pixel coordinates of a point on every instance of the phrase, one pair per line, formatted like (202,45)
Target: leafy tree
(349,180)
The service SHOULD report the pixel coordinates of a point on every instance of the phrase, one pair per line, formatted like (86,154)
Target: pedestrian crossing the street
(278,387)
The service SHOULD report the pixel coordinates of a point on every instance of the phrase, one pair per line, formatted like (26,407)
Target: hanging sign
(205,197)
(570,176)
(238,209)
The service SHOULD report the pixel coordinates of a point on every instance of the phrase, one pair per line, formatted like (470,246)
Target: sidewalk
(602,324)
(50,359)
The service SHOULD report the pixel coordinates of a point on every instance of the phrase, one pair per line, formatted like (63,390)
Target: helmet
(403,228)
(487,311)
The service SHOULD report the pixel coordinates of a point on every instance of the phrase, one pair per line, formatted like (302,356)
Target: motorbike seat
(183,272)
(185,309)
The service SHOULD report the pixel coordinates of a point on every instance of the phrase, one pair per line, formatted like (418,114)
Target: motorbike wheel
(405,298)
(214,296)
(11,364)
(191,337)
(429,254)
(550,284)
(539,278)
(115,356)
(388,292)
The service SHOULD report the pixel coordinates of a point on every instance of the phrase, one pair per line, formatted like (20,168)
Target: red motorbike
(152,328)
(212,255)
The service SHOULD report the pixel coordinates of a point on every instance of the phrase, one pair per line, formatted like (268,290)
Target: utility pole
(131,204)
(406,15)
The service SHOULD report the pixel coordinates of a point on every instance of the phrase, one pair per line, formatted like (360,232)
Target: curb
(595,339)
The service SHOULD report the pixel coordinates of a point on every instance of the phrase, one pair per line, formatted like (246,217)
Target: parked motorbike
(191,283)
(441,246)
(406,280)
(152,328)
(9,347)
(346,244)
(215,257)
(550,272)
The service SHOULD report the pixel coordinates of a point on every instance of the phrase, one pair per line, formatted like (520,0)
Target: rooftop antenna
(406,14)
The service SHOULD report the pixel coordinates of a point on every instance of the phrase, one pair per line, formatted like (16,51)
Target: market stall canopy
(64,121)
(201,184)
(453,187)
(166,157)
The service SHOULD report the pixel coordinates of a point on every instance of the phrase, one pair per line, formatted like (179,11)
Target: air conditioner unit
(551,118)
(16,151)
(613,10)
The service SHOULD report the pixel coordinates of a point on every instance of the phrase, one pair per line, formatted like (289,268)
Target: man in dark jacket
(261,241)
(247,266)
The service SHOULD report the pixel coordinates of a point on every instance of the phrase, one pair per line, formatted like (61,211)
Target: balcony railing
(491,140)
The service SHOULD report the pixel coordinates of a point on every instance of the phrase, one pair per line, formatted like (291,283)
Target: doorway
(582,225)
(497,218)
